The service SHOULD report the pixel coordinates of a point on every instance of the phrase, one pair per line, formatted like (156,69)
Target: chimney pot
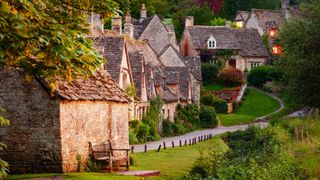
(143,12)
(189,21)
(128,26)
(116,24)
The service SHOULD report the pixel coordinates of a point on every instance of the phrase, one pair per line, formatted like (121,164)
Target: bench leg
(110,165)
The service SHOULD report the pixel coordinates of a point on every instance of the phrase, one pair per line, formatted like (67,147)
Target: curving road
(214,131)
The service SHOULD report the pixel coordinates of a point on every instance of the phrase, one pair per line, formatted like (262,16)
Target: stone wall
(245,63)
(196,85)
(91,121)
(169,110)
(33,138)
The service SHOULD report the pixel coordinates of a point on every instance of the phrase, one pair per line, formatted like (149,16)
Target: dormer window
(212,43)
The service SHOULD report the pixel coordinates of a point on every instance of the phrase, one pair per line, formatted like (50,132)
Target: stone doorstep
(140,173)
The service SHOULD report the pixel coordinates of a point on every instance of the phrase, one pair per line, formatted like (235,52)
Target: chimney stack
(143,12)
(189,21)
(128,26)
(228,24)
(95,20)
(116,24)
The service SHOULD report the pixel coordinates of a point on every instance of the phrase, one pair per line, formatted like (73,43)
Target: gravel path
(213,132)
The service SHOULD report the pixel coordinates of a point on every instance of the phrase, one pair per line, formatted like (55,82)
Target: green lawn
(256,104)
(171,163)
(216,87)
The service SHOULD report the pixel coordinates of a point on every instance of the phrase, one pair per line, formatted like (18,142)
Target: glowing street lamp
(272,32)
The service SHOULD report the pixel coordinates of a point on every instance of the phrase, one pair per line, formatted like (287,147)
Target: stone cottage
(266,21)
(246,45)
(49,132)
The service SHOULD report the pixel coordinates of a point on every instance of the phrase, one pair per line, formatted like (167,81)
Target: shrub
(258,76)
(167,129)
(209,73)
(152,117)
(231,77)
(208,100)
(143,132)
(208,116)
(221,106)
(188,116)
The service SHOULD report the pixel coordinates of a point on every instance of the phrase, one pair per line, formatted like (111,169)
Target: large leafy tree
(3,165)
(47,38)
(300,61)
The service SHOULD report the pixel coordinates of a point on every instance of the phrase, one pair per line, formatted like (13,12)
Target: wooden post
(185,142)
(302,135)
(132,149)
(201,138)
(180,143)
(205,137)
(159,148)
(164,145)
(307,140)
(145,148)
(296,133)
(189,142)
(172,144)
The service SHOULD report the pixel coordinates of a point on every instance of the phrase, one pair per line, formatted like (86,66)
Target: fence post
(189,142)
(307,140)
(159,148)
(145,148)
(185,142)
(172,144)
(164,145)
(180,143)
(302,135)
(132,149)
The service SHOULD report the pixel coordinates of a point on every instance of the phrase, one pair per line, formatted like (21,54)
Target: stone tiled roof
(171,76)
(113,51)
(194,64)
(223,35)
(251,43)
(100,86)
(244,15)
(265,16)
(137,63)
(184,80)
(139,27)
(169,96)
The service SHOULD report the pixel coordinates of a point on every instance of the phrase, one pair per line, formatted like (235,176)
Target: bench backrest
(101,150)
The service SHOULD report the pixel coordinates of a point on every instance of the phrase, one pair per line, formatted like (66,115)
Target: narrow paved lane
(214,132)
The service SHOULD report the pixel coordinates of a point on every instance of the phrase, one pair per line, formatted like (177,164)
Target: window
(254,64)
(239,24)
(212,43)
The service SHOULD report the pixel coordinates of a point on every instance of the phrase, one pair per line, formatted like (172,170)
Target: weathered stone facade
(47,133)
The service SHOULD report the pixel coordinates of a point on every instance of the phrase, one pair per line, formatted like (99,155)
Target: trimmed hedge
(208,116)
(209,73)
(221,106)
(258,76)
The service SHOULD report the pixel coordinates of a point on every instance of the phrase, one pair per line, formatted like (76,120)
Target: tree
(300,60)
(3,165)
(47,38)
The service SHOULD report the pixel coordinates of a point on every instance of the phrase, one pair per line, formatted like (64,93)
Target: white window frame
(254,64)
(211,43)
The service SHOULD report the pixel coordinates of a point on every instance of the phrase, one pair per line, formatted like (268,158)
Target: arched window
(212,44)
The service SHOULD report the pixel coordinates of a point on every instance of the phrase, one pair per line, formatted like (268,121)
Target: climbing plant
(3,165)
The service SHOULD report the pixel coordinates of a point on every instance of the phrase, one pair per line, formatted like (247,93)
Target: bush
(188,116)
(258,76)
(209,73)
(231,77)
(167,129)
(208,99)
(143,132)
(255,153)
(221,106)
(208,116)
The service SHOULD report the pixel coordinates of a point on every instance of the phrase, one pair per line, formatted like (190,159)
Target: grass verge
(256,104)
(171,162)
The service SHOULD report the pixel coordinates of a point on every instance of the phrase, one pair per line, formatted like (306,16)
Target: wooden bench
(104,152)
